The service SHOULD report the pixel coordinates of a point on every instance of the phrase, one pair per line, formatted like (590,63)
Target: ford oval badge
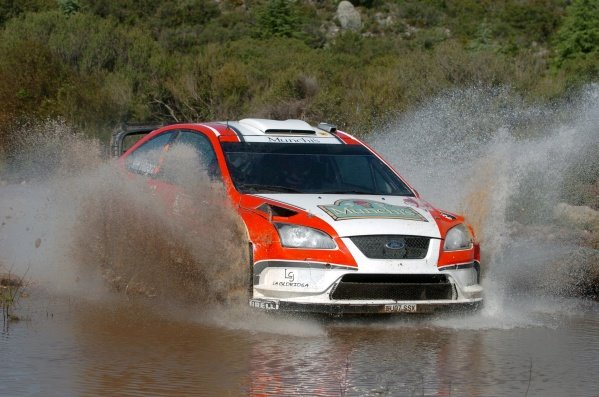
(396,244)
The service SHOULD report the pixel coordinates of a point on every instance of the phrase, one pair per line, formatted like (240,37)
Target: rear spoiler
(126,130)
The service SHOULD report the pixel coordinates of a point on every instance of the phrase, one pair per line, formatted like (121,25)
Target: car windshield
(310,168)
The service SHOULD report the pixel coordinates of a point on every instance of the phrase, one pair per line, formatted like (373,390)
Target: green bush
(577,41)
(278,18)
(13,8)
(99,63)
(30,73)
(30,78)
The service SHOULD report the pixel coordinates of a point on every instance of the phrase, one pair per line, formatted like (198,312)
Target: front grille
(392,246)
(399,287)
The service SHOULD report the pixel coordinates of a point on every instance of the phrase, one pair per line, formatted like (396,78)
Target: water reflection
(298,366)
(359,361)
(134,351)
(407,358)
(125,349)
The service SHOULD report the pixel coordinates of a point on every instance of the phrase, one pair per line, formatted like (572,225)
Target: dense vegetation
(97,63)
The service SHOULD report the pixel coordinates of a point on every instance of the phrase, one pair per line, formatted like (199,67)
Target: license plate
(401,308)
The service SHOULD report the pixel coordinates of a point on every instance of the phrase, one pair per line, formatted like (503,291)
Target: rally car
(333,228)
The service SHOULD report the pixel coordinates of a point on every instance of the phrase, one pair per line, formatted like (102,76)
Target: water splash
(79,225)
(506,165)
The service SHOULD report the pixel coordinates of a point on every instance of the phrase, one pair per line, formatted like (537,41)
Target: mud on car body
(332,227)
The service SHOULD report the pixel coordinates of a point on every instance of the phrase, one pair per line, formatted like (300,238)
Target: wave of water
(77,225)
(506,165)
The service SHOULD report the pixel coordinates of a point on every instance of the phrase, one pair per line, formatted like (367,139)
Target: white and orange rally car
(332,227)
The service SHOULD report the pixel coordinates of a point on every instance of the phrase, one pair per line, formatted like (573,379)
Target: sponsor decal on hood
(408,220)
(362,209)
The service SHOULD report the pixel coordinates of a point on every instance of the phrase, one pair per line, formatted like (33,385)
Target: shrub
(30,79)
(577,41)
(13,8)
(278,18)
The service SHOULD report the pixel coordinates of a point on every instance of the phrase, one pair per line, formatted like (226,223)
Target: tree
(278,18)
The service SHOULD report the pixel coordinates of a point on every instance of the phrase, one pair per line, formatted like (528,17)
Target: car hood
(352,215)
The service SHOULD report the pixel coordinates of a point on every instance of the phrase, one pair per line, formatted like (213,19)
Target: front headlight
(458,238)
(295,236)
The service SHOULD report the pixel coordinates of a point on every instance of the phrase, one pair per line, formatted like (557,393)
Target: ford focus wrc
(332,227)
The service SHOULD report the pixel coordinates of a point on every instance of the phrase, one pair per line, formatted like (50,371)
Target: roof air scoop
(279,127)
(292,132)
(330,128)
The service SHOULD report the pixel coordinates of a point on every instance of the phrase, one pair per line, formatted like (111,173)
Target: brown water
(85,348)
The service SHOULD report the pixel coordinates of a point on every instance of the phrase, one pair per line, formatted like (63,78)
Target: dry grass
(10,292)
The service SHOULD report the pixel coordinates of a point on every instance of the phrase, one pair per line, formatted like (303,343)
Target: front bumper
(316,288)
(387,307)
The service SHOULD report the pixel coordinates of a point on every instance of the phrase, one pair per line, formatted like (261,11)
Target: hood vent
(274,210)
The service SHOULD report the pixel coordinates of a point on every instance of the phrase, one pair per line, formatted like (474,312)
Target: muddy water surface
(66,348)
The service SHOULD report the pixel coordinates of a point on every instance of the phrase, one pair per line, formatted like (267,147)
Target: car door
(148,159)
(189,173)
(190,160)
(177,163)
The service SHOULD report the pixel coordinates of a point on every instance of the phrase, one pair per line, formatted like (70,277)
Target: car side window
(355,171)
(383,183)
(190,158)
(387,182)
(147,158)
(203,147)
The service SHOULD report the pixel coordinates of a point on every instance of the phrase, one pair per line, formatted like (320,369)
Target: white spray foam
(501,162)
(79,225)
